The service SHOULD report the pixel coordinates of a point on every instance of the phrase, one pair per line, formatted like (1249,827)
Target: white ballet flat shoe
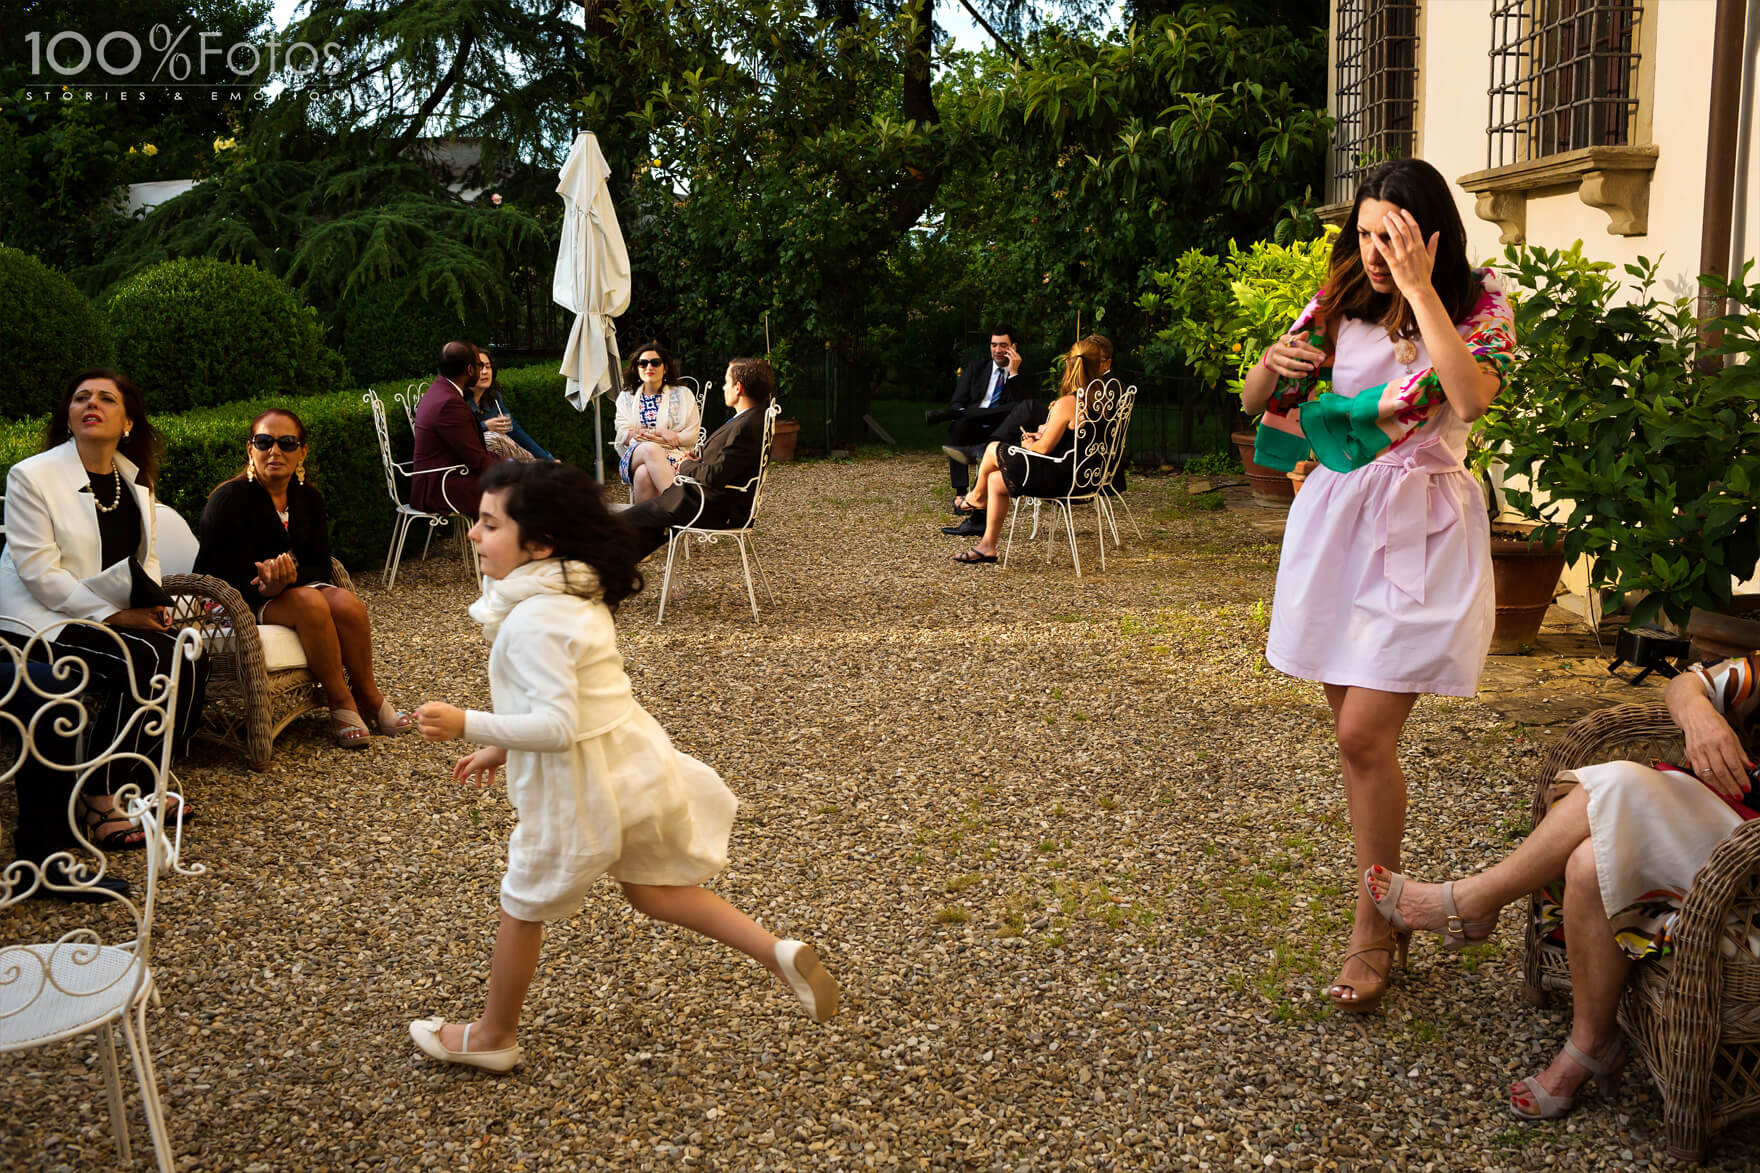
(426,1033)
(816,988)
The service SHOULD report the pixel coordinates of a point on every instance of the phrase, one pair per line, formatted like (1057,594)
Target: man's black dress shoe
(971,527)
(940,415)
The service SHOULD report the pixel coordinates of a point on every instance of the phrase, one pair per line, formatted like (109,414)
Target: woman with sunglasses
(502,435)
(265,532)
(658,423)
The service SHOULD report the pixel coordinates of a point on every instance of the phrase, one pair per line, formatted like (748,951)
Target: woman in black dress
(265,532)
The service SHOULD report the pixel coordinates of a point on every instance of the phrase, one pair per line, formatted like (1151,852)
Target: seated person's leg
(977,498)
(640,487)
(660,472)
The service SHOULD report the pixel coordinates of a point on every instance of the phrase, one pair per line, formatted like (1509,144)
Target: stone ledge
(1614,179)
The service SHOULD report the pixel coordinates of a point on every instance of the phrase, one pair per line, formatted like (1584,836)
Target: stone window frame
(1568,112)
(1374,80)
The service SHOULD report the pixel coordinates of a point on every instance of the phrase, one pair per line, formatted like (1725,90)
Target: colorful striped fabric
(1345,432)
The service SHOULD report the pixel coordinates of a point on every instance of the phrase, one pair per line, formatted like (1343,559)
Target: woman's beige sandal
(1366,995)
(1456,933)
(1605,1073)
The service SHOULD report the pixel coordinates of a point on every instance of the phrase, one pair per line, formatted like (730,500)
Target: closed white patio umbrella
(592,281)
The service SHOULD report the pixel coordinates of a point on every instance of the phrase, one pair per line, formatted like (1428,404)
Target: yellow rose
(149,150)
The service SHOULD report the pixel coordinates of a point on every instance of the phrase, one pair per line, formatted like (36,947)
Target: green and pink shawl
(1345,432)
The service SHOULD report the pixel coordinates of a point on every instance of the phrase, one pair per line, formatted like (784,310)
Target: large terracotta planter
(1525,580)
(1300,472)
(782,441)
(1270,486)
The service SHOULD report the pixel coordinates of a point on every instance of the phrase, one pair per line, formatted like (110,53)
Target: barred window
(1376,89)
(1563,77)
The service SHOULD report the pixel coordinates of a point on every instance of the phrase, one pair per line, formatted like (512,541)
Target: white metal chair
(742,535)
(407,515)
(1085,468)
(77,984)
(700,390)
(1109,495)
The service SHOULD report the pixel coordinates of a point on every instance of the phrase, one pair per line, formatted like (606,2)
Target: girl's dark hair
(668,373)
(144,445)
(558,505)
(1420,189)
(299,426)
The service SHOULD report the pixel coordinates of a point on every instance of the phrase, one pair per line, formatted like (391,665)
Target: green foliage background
(47,324)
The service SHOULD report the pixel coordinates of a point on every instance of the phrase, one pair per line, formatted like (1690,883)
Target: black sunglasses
(650,362)
(263,441)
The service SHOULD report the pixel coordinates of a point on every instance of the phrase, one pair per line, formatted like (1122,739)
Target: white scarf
(549,576)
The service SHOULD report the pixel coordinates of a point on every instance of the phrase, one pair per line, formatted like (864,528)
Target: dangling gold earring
(300,472)
(250,471)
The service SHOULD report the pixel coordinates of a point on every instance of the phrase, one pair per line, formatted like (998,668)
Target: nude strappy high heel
(1456,934)
(1368,994)
(1605,1073)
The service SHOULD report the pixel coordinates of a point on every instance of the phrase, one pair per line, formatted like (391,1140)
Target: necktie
(995,387)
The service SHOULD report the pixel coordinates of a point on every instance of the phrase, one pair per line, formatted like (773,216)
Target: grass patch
(952,914)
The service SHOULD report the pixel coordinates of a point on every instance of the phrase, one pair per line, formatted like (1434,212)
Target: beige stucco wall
(1454,42)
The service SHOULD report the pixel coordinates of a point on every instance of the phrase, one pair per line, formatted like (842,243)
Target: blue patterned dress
(648,408)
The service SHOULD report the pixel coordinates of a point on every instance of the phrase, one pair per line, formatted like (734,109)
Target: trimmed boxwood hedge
(206,446)
(198,332)
(49,330)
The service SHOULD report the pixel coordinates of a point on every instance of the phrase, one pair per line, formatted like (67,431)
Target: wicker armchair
(1692,1016)
(258,681)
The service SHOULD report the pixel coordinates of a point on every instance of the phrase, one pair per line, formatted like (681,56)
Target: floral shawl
(1347,432)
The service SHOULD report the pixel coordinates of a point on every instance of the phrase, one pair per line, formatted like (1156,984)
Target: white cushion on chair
(281,648)
(176,544)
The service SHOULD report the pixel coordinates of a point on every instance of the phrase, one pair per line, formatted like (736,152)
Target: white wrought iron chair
(742,535)
(1109,495)
(700,390)
(407,515)
(77,984)
(1085,467)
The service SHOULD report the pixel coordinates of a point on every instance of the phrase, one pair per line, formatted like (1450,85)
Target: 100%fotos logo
(120,54)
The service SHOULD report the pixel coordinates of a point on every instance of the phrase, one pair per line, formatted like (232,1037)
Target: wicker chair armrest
(1696,979)
(191,594)
(1587,741)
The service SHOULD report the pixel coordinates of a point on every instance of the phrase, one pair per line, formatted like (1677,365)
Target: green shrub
(199,333)
(534,394)
(1648,457)
(393,329)
(48,331)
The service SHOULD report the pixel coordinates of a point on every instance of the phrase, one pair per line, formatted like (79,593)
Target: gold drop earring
(250,470)
(300,472)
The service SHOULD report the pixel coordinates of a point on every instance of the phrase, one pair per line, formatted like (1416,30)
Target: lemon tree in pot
(1638,455)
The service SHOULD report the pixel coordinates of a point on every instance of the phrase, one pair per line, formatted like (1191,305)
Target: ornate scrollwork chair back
(406,515)
(1078,475)
(87,980)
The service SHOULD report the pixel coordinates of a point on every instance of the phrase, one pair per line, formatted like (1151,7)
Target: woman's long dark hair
(143,445)
(1420,189)
(558,505)
(491,393)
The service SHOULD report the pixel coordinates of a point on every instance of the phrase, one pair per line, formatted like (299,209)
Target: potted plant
(1637,453)
(1224,311)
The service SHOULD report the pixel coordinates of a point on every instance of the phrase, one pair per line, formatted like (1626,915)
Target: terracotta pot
(1525,580)
(782,440)
(1270,486)
(1300,473)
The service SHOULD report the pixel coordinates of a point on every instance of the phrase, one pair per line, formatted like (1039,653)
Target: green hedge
(206,446)
(47,332)
(199,332)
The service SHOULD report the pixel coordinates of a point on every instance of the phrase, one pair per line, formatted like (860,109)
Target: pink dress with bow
(1385,580)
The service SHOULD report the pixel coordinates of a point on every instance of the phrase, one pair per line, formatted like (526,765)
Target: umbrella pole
(598,445)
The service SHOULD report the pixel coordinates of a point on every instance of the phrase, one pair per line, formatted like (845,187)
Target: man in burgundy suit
(447,435)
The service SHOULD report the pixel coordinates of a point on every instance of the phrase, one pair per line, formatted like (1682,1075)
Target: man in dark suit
(730,459)
(446,435)
(984,395)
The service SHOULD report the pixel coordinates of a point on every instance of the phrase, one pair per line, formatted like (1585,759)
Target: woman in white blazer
(658,423)
(79,522)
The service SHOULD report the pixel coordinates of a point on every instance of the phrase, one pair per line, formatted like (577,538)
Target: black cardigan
(240,528)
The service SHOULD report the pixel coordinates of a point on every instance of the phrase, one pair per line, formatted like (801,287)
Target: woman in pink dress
(1384,589)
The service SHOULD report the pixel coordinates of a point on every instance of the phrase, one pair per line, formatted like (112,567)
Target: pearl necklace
(114,501)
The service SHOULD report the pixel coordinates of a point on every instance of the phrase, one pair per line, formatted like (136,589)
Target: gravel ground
(1077,855)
